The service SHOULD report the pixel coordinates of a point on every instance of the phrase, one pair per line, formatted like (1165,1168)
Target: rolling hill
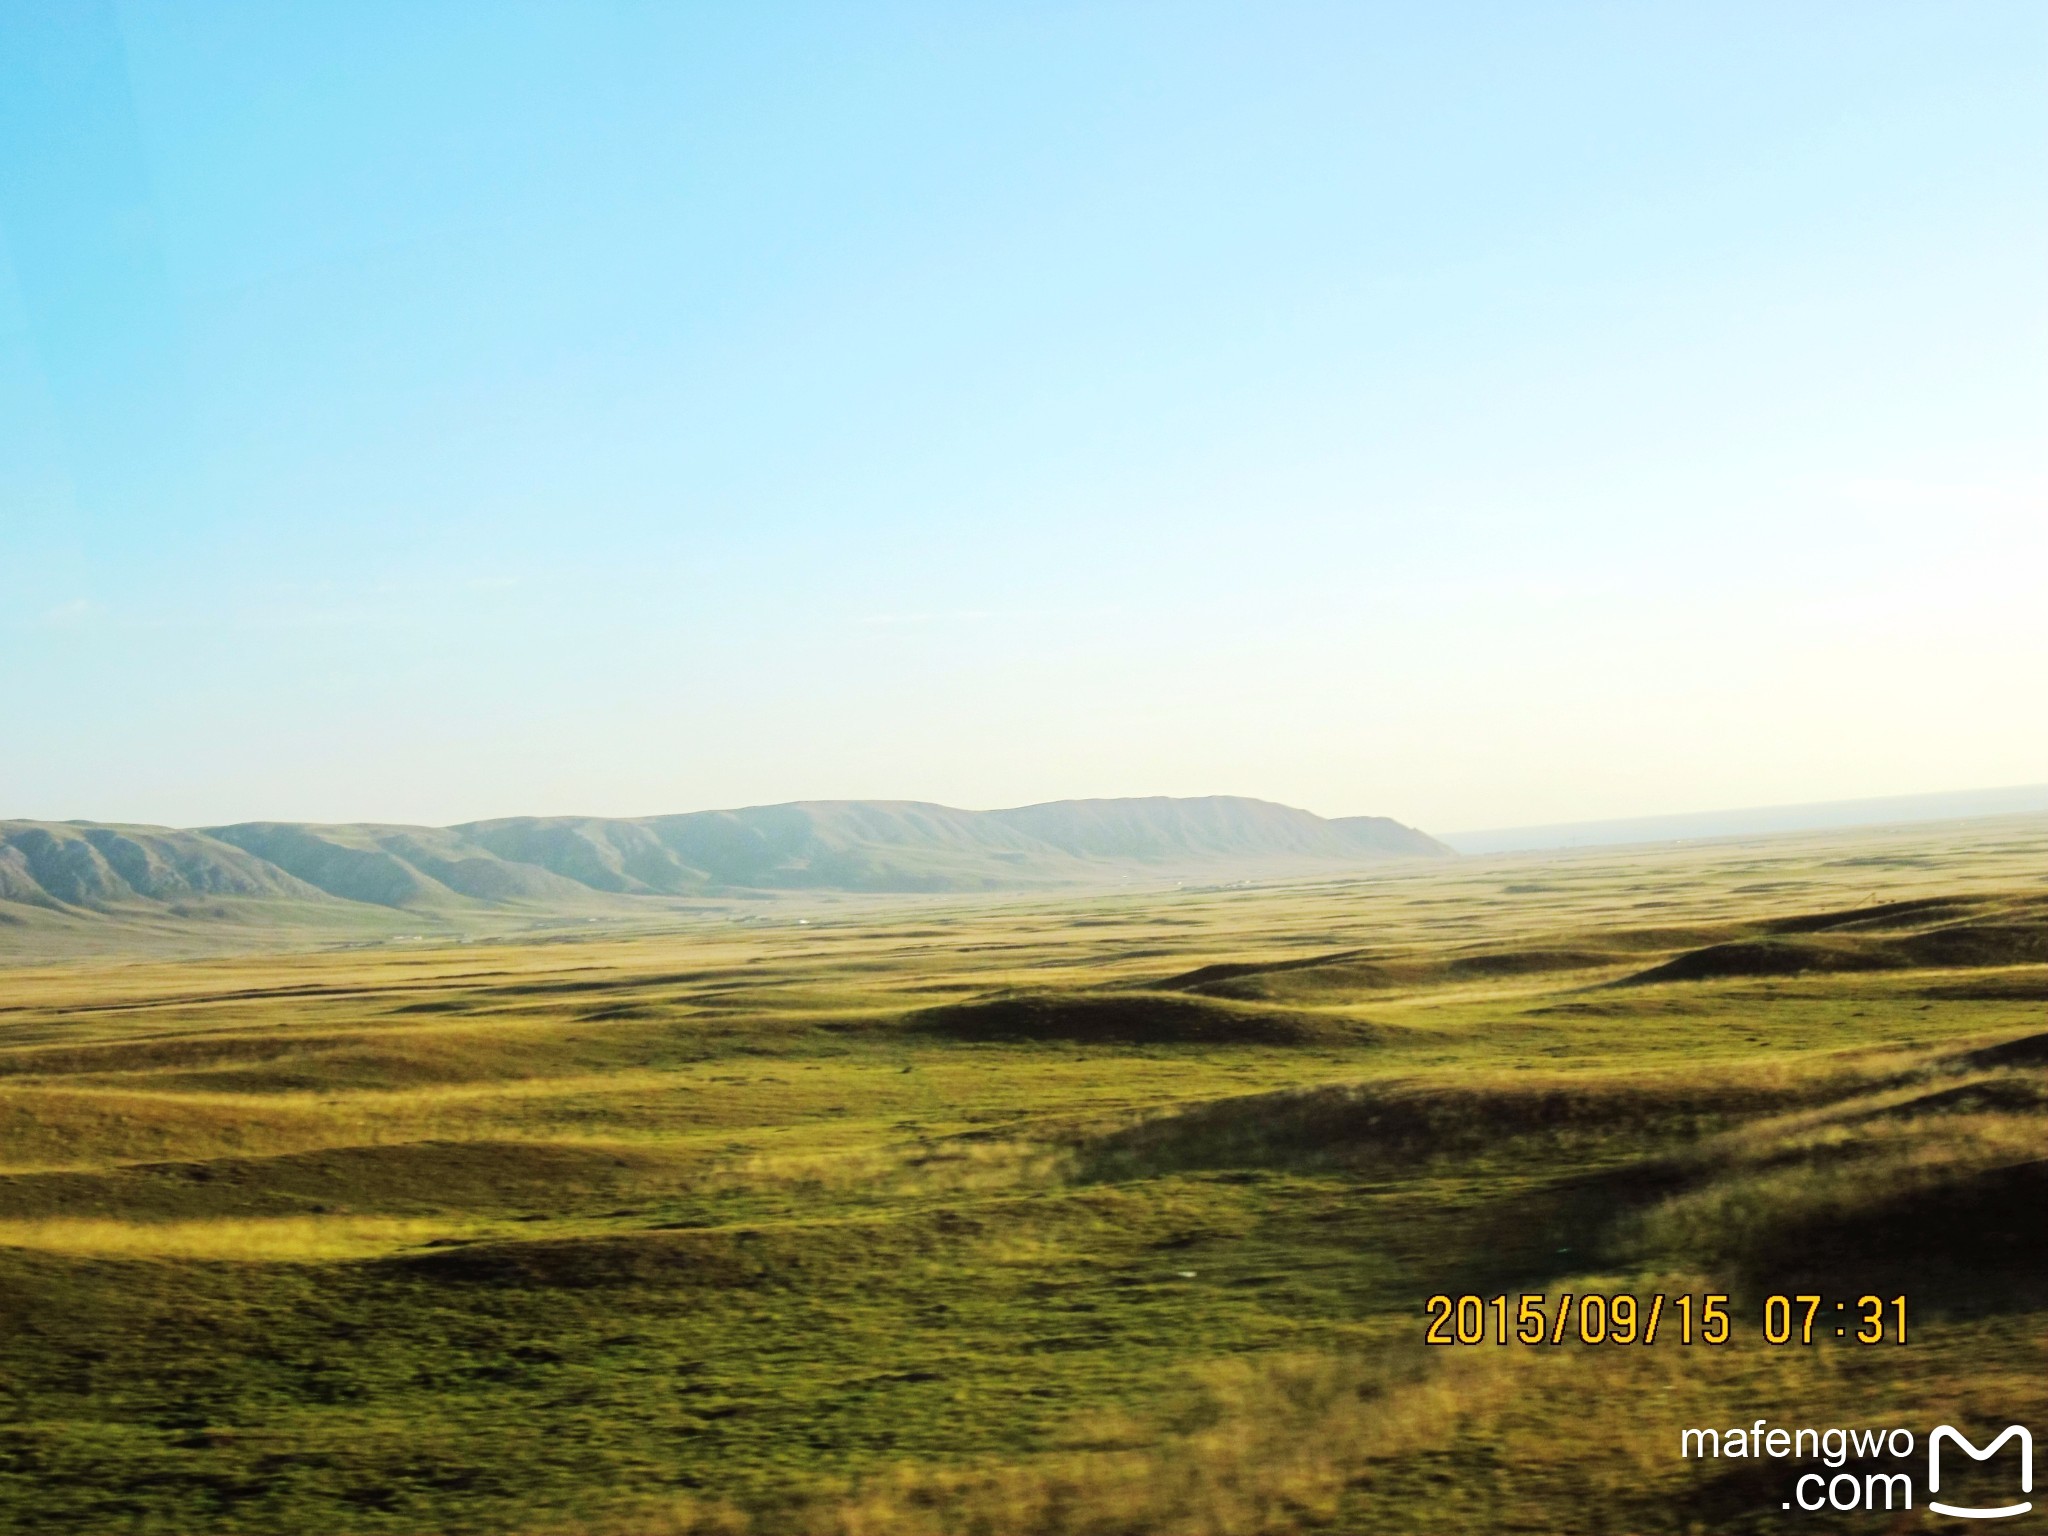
(574,864)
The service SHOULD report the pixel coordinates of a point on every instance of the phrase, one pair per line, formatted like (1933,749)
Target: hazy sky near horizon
(1474,413)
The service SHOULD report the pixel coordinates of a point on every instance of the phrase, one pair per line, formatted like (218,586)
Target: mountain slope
(572,863)
(904,845)
(1219,826)
(395,866)
(93,866)
(850,845)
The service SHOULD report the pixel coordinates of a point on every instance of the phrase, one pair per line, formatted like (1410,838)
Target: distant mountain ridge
(566,862)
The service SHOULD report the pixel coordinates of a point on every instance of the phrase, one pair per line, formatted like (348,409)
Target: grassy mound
(1333,976)
(1901,935)
(1927,1183)
(1768,957)
(1397,1123)
(1954,1237)
(1879,917)
(1978,944)
(1131,1018)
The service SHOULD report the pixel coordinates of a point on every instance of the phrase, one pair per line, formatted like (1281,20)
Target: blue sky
(1477,414)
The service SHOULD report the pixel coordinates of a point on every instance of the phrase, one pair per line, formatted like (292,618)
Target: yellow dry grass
(267,1240)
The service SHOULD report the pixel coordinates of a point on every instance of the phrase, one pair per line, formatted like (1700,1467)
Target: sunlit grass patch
(270,1240)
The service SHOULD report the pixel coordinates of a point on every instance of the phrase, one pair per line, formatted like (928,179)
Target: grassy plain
(1114,1213)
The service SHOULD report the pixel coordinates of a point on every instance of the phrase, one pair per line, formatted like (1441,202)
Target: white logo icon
(2013,1432)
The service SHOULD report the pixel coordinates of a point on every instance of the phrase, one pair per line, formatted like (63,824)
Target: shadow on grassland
(1931,1186)
(1395,1126)
(2017,936)
(1134,1018)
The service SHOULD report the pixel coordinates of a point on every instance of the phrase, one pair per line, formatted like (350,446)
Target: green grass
(1107,1213)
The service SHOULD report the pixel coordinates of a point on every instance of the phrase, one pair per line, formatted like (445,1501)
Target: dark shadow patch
(665,1260)
(1745,1495)
(1963,1245)
(1131,1018)
(2026,1051)
(1882,915)
(1765,957)
(1863,939)
(1527,962)
(1978,944)
(2026,987)
(1403,1124)
(1362,971)
(1206,975)
(1997,1096)
(1562,1228)
(820,1257)
(408,1178)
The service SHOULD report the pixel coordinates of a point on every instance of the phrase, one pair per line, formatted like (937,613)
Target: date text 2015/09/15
(1600,1318)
